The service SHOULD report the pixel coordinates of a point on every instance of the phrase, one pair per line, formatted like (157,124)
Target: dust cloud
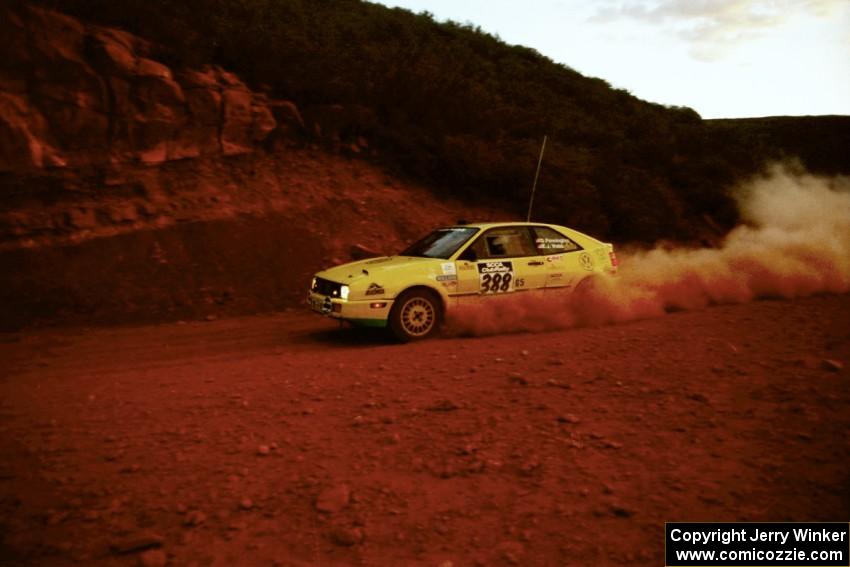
(794,241)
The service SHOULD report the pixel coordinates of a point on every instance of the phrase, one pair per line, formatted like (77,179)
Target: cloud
(713,28)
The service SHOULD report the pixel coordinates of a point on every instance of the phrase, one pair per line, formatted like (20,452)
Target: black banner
(492,267)
(816,544)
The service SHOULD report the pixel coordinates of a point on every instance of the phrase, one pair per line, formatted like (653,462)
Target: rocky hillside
(157,165)
(76,95)
(135,191)
(91,125)
(457,108)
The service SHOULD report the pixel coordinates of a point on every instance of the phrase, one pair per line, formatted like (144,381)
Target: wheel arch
(587,283)
(428,289)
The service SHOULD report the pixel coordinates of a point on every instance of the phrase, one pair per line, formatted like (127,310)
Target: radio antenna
(536,175)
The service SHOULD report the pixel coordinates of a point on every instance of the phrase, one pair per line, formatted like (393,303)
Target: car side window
(549,241)
(504,242)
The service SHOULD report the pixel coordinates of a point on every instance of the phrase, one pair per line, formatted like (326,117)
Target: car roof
(582,238)
(486,225)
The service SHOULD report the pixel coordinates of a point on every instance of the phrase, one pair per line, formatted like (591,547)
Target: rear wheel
(416,314)
(586,287)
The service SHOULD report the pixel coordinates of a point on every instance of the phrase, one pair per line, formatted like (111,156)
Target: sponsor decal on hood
(375,289)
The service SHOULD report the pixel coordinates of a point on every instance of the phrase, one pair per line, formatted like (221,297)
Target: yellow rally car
(410,292)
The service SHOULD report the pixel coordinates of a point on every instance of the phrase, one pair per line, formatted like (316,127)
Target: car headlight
(343,292)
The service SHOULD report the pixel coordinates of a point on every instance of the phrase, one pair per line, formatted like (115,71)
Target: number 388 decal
(496,277)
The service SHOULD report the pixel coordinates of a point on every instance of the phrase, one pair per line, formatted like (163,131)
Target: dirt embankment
(242,237)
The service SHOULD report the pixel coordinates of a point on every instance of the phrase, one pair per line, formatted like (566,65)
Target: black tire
(416,314)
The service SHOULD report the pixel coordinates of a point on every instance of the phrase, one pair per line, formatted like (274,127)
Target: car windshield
(441,243)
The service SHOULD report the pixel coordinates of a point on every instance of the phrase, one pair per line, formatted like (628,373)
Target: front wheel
(415,315)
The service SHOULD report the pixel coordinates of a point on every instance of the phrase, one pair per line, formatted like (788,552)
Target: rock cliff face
(131,191)
(73,94)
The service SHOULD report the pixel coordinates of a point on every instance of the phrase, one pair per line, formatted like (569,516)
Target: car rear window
(549,241)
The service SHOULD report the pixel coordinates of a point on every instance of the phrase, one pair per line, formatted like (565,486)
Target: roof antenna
(536,175)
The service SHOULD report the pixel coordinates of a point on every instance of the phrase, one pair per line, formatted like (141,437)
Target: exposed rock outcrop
(74,94)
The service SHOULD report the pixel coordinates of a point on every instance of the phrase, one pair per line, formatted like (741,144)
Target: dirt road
(285,441)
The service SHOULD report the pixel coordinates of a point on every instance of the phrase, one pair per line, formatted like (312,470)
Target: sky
(723,58)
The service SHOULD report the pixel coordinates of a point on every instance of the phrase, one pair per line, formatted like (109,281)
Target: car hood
(353,271)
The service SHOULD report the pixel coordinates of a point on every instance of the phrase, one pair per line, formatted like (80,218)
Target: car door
(564,258)
(502,260)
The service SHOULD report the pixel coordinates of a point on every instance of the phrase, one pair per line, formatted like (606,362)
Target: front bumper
(367,312)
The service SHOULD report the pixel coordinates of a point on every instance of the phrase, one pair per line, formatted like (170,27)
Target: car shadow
(352,336)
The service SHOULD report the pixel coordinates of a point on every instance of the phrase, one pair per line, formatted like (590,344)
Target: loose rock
(333,499)
(443,405)
(346,536)
(621,512)
(568,418)
(136,542)
(517,378)
(194,518)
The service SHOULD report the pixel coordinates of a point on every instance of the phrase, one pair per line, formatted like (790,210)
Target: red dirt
(283,440)
(230,238)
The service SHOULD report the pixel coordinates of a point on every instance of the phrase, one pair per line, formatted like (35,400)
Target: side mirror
(469,255)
